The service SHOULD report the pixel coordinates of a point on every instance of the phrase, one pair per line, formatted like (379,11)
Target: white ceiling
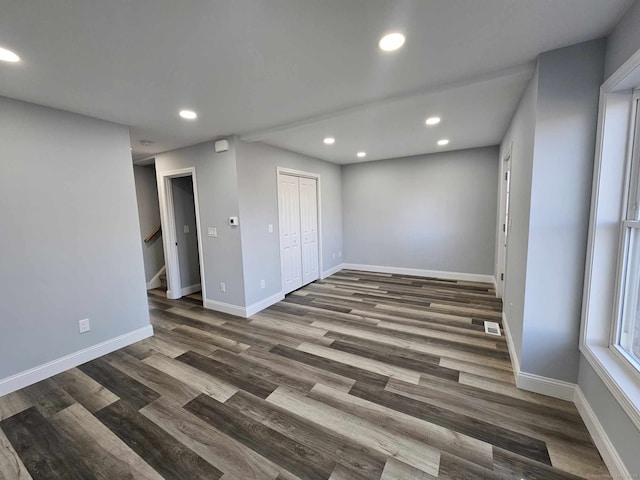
(473,115)
(288,71)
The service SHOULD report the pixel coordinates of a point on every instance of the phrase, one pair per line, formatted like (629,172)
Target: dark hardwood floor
(359,376)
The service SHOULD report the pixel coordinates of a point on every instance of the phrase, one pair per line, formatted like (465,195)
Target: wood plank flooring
(359,376)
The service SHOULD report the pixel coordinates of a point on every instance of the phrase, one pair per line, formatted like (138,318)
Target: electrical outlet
(186,229)
(223,287)
(84,326)
(271,228)
(262,284)
(212,232)
(340,254)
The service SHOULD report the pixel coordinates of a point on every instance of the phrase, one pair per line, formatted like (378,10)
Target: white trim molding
(229,308)
(59,365)
(191,289)
(331,271)
(244,312)
(515,362)
(546,386)
(536,383)
(155,281)
(609,454)
(167,221)
(466,277)
(262,304)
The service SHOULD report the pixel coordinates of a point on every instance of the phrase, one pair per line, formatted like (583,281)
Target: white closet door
(309,229)
(289,214)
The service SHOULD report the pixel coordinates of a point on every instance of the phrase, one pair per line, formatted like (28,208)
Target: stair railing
(153,234)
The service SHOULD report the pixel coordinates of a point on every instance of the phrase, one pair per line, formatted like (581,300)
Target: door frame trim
(167,220)
(501,254)
(300,173)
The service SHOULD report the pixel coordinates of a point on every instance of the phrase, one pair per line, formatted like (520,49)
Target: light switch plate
(212,232)
(186,229)
(271,228)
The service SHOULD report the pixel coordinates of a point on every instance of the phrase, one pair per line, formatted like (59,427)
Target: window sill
(618,377)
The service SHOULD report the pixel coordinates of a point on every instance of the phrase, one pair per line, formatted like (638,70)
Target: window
(626,331)
(610,331)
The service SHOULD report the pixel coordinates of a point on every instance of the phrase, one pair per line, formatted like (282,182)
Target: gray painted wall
(70,235)
(553,143)
(257,179)
(432,212)
(217,185)
(520,138)
(185,216)
(569,81)
(149,215)
(624,40)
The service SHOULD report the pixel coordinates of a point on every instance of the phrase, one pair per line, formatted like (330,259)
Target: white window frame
(628,222)
(606,249)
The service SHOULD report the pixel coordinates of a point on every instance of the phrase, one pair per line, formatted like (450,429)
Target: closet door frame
(316,176)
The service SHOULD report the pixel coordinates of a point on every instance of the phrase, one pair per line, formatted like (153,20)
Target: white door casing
(167,221)
(504,223)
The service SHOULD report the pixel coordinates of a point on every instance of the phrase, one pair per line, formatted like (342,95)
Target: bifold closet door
(289,216)
(309,229)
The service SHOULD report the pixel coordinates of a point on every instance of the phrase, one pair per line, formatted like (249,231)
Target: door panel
(309,229)
(289,213)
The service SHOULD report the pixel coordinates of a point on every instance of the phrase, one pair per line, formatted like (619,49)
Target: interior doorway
(505,223)
(183,241)
(299,221)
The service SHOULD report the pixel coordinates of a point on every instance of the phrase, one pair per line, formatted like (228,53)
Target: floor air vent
(492,328)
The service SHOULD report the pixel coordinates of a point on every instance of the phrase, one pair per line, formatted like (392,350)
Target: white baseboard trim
(536,383)
(59,365)
(608,452)
(171,296)
(515,363)
(467,277)
(331,271)
(191,289)
(262,304)
(226,308)
(546,386)
(155,281)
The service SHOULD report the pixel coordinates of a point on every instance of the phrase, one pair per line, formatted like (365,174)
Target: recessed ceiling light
(443,142)
(391,42)
(433,121)
(188,114)
(329,140)
(8,56)
(361,154)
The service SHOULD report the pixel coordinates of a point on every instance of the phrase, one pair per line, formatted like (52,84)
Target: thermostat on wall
(234,221)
